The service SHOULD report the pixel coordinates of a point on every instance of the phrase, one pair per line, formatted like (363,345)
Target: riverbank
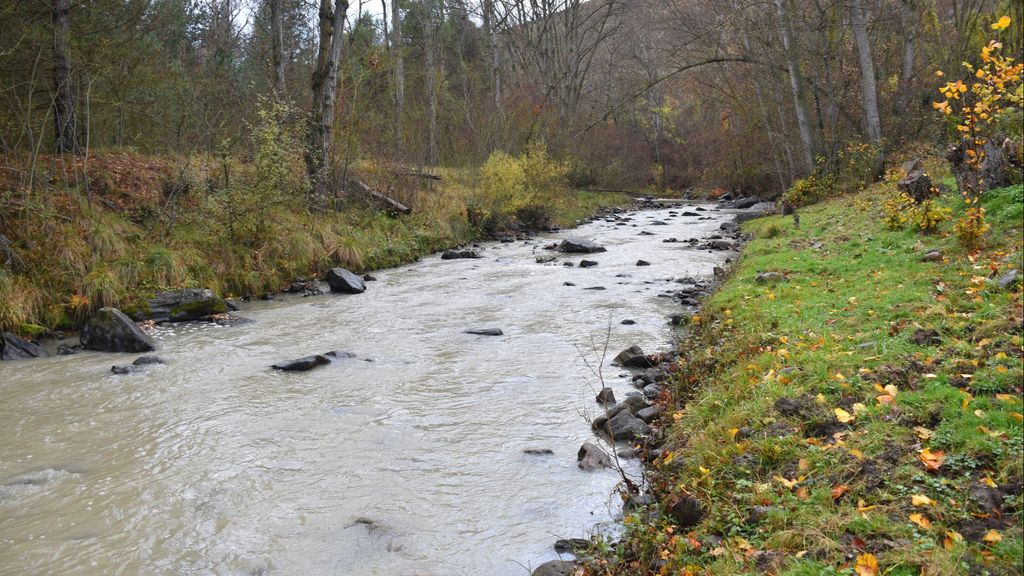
(138,225)
(849,400)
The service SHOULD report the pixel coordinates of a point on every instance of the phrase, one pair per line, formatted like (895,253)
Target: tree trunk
(795,83)
(867,75)
(399,70)
(277,40)
(431,64)
(65,137)
(911,23)
(495,57)
(325,91)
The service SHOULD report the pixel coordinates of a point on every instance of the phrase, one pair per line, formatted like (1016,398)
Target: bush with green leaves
(518,190)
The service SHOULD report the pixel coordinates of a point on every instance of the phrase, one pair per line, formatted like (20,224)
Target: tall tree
(65,135)
(325,93)
(277,44)
(858,22)
(430,35)
(796,85)
(397,56)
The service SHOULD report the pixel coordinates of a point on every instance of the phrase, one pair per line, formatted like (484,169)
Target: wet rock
(1008,280)
(556,568)
(729,226)
(646,233)
(485,332)
(459,254)
(606,396)
(625,427)
(341,280)
(14,348)
(65,350)
(580,246)
(649,414)
(642,263)
(147,360)
(658,223)
(744,203)
(628,322)
(627,454)
(587,263)
(769,278)
(634,357)
(538,451)
(340,355)
(924,337)
(651,391)
(122,369)
(638,501)
(303,364)
(369,278)
(932,256)
(109,330)
(181,305)
(721,245)
(591,457)
(568,283)
(595,288)
(545,259)
(571,545)
(686,512)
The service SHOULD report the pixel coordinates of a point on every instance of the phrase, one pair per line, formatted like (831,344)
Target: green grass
(846,320)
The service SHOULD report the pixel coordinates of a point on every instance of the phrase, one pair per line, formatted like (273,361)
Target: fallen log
(391,203)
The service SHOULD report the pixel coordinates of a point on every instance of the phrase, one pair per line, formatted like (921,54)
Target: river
(406,460)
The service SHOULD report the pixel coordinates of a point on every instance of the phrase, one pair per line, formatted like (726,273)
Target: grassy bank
(138,224)
(866,410)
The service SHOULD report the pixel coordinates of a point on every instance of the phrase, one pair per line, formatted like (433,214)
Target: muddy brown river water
(411,463)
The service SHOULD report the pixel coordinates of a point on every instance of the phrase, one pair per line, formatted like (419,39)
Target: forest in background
(653,93)
(241,144)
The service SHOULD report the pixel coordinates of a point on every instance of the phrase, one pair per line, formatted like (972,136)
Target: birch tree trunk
(431,72)
(65,136)
(325,92)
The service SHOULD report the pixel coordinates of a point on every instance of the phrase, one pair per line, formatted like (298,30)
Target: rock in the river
(628,322)
(744,203)
(457,254)
(722,245)
(556,568)
(642,263)
(587,263)
(485,332)
(606,396)
(138,364)
(580,245)
(14,348)
(634,357)
(146,360)
(302,364)
(571,545)
(109,330)
(591,457)
(342,280)
(649,414)
(625,427)
(182,305)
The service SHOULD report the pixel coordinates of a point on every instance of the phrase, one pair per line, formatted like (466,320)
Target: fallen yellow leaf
(1002,24)
(992,536)
(921,500)
(867,565)
(920,520)
(923,433)
(844,416)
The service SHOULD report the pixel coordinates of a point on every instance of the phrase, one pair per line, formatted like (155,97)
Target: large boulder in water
(556,568)
(625,427)
(109,330)
(14,348)
(634,357)
(303,364)
(591,457)
(342,280)
(182,305)
(580,246)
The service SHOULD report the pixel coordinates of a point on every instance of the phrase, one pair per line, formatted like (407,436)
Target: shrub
(521,189)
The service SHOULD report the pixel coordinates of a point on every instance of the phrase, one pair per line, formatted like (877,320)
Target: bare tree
(325,91)
(867,74)
(397,55)
(796,85)
(277,42)
(65,135)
